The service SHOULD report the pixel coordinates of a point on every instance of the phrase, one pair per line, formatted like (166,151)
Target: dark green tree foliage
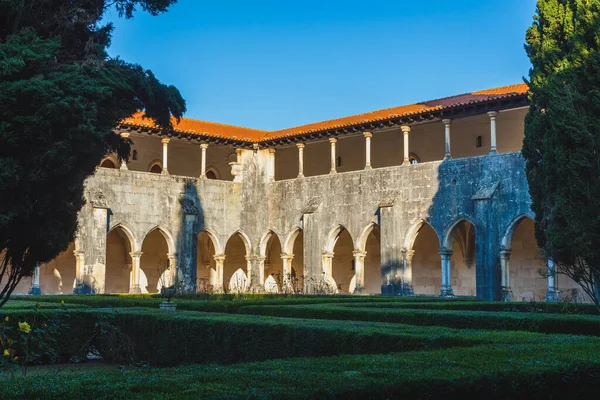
(562,136)
(61,96)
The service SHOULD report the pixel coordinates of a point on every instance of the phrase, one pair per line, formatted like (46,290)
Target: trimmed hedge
(535,307)
(167,339)
(221,306)
(531,322)
(490,372)
(21,304)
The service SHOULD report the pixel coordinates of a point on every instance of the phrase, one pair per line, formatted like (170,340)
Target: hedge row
(168,339)
(217,305)
(536,307)
(530,322)
(490,372)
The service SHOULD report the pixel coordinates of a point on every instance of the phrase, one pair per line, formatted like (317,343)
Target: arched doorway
(155,167)
(342,265)
(205,264)
(58,275)
(235,267)
(108,163)
(154,263)
(118,261)
(373,279)
(425,262)
(271,250)
(462,267)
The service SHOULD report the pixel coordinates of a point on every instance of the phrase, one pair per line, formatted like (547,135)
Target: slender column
(359,270)
(552,294)
(124,135)
(406,131)
(327,260)
(271,165)
(35,281)
(165,143)
(407,278)
(287,272)
(203,148)
(134,286)
(217,281)
(446,255)
(79,279)
(333,141)
(447,123)
(507,294)
(300,147)
(492,115)
(368,136)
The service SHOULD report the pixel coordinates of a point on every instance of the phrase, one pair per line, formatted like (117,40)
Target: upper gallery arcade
(428,198)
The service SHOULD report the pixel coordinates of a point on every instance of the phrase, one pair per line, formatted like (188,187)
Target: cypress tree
(562,136)
(61,96)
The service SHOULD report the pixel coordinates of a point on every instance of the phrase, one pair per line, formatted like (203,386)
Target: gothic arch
(449,236)
(413,231)
(332,237)
(361,241)
(288,244)
(510,230)
(245,240)
(264,241)
(168,237)
(133,244)
(214,238)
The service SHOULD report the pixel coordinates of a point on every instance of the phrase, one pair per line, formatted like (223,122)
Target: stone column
(272,165)
(256,273)
(446,255)
(552,294)
(300,147)
(407,287)
(35,281)
(406,131)
(165,144)
(506,294)
(203,148)
(447,123)
(359,270)
(392,265)
(333,141)
(136,272)
(368,136)
(124,135)
(79,265)
(492,115)
(217,279)
(327,262)
(287,272)
(94,271)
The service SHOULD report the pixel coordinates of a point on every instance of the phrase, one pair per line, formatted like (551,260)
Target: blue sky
(277,64)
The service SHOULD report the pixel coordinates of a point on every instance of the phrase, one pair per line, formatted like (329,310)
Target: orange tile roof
(216,130)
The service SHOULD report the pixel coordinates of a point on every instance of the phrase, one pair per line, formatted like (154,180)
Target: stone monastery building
(428,198)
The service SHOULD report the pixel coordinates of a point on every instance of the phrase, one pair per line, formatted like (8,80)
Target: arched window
(108,163)
(414,159)
(210,174)
(155,167)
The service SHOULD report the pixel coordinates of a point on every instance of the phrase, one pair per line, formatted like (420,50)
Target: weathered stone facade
(360,231)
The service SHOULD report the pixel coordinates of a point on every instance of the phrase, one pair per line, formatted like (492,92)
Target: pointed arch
(288,244)
(413,231)
(361,241)
(214,238)
(245,240)
(510,230)
(449,236)
(133,244)
(333,236)
(166,234)
(264,241)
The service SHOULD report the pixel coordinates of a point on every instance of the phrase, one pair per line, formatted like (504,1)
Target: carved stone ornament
(97,199)
(312,205)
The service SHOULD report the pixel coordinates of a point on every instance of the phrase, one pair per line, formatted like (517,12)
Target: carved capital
(405,129)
